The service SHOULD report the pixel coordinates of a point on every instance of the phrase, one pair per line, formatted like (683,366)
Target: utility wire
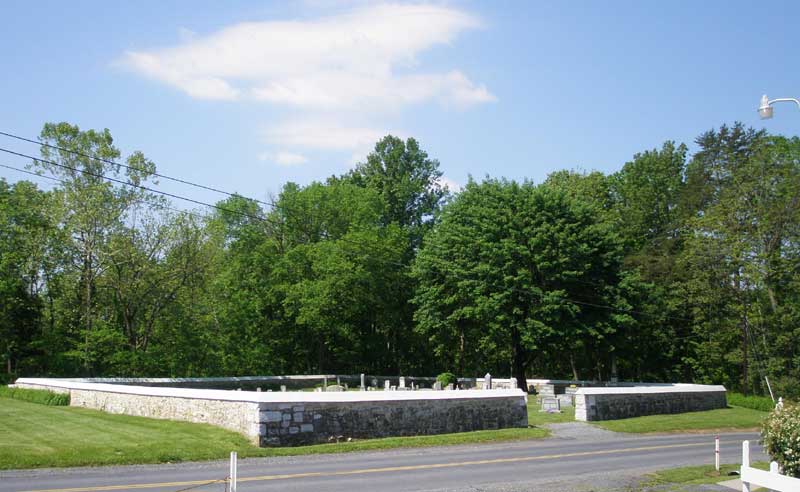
(64,182)
(134,185)
(262,219)
(126,166)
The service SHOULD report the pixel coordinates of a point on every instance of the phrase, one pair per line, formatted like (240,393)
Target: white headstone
(283,387)
(437,385)
(487,381)
(363,383)
(387,385)
(402,383)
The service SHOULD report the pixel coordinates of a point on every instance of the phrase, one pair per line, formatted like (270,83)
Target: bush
(43,397)
(447,378)
(763,403)
(781,438)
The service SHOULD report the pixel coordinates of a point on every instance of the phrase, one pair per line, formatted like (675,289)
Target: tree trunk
(574,369)
(518,360)
(744,359)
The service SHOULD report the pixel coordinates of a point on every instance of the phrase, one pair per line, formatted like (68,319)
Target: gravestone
(450,386)
(387,385)
(375,382)
(283,387)
(551,405)
(363,383)
(487,381)
(437,385)
(335,387)
(402,383)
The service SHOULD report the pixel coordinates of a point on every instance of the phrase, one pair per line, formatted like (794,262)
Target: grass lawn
(537,418)
(694,475)
(35,436)
(723,419)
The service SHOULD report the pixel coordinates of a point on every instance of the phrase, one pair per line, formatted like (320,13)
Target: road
(579,457)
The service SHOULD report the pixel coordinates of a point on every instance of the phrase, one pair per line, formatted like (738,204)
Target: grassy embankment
(34,436)
(693,475)
(743,413)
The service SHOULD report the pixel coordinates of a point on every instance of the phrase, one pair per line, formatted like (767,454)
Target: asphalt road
(580,457)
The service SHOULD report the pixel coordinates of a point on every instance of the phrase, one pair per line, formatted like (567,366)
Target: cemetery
(313,409)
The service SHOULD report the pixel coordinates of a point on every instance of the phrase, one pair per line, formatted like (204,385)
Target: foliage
(781,438)
(677,267)
(447,378)
(514,269)
(761,403)
(42,397)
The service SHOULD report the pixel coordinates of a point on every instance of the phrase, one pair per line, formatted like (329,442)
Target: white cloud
(285,158)
(327,135)
(453,186)
(363,60)
(322,135)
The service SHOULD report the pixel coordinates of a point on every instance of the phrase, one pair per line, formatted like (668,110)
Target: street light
(765,109)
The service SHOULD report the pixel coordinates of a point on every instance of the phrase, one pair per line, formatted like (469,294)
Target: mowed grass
(723,419)
(694,475)
(36,436)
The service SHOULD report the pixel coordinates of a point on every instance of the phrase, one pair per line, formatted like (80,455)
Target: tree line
(677,267)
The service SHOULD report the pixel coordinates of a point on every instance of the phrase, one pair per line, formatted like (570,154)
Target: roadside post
(233,473)
(716,454)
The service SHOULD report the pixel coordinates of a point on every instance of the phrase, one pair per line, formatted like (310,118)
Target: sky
(246,96)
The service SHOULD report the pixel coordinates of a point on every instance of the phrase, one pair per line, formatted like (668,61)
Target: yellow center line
(389,469)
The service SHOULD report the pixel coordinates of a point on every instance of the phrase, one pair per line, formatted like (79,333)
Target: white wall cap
(673,388)
(274,396)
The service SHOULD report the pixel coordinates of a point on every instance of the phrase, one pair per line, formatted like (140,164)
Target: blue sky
(246,96)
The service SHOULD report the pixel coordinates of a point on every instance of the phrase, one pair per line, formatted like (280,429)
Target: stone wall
(237,416)
(620,403)
(295,418)
(311,423)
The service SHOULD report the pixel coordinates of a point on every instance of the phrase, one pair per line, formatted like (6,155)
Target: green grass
(723,419)
(43,397)
(694,475)
(537,418)
(35,436)
(762,403)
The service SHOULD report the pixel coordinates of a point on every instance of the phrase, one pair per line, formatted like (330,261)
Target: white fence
(771,479)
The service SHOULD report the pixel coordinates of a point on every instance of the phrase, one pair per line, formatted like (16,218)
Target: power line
(126,166)
(134,185)
(262,219)
(172,195)
(158,205)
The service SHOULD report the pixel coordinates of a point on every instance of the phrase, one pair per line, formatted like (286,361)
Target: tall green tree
(513,271)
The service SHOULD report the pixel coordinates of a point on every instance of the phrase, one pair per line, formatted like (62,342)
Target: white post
(745,463)
(233,472)
(773,468)
(716,454)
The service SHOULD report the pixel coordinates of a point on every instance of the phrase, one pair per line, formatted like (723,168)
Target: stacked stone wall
(237,416)
(613,406)
(312,423)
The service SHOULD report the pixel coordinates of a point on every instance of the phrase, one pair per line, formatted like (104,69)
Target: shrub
(763,403)
(447,378)
(43,397)
(781,438)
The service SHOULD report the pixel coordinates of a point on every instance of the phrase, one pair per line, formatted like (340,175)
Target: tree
(406,180)
(513,270)
(24,227)
(93,208)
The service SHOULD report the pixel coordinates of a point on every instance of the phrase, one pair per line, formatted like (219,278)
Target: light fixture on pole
(765,110)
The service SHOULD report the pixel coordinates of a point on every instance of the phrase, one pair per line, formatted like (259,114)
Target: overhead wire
(246,215)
